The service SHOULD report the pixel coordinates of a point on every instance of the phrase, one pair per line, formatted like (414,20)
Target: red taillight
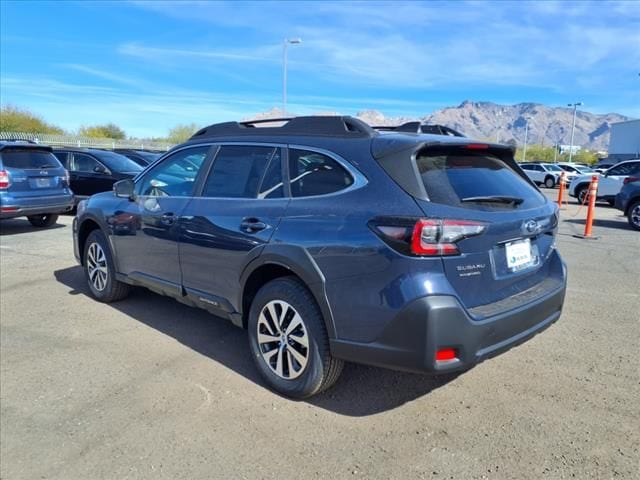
(8,209)
(439,237)
(446,354)
(630,179)
(5,182)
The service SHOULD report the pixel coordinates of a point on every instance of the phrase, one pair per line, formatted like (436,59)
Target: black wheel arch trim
(102,225)
(300,263)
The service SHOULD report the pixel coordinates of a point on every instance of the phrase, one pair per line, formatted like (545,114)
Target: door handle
(252,225)
(168,219)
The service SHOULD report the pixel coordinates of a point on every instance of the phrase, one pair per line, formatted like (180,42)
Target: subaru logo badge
(530,226)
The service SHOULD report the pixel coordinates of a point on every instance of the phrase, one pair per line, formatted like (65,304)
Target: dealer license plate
(518,254)
(43,182)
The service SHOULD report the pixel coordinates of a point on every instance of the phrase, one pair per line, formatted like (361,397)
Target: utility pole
(287,41)
(526,133)
(573,127)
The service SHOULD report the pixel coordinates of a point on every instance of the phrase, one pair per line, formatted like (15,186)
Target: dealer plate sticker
(518,254)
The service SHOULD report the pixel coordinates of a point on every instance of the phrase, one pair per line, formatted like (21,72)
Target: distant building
(625,140)
(566,148)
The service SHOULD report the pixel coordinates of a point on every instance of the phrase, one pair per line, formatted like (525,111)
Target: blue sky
(148,66)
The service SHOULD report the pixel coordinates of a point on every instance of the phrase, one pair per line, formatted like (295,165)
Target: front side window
(245,171)
(312,173)
(85,163)
(175,176)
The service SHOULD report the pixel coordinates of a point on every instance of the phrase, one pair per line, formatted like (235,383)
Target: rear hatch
(33,172)
(509,255)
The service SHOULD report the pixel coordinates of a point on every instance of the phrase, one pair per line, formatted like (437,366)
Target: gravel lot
(149,388)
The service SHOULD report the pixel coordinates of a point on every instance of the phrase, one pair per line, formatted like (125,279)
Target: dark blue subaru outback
(329,240)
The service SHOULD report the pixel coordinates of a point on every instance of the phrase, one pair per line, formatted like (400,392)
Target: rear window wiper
(47,165)
(494,199)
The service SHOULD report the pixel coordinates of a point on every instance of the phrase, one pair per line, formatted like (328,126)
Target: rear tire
(43,221)
(550,182)
(283,318)
(100,272)
(634,215)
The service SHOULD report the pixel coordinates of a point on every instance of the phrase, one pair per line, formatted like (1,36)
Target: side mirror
(124,189)
(100,169)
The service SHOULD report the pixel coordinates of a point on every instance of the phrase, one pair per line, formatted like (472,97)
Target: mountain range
(507,123)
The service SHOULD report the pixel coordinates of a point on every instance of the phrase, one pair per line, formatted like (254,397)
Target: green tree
(585,156)
(182,133)
(109,130)
(15,119)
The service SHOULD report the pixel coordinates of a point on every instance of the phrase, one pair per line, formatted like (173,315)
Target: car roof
(23,144)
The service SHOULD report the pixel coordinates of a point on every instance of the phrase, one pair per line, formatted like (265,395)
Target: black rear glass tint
(29,159)
(450,178)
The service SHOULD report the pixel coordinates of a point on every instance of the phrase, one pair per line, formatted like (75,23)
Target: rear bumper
(431,323)
(61,205)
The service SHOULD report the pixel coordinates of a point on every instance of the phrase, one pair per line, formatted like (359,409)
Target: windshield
(456,179)
(29,158)
(585,170)
(553,168)
(117,162)
(150,157)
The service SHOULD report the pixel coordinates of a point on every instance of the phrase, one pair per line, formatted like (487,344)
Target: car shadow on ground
(15,226)
(360,391)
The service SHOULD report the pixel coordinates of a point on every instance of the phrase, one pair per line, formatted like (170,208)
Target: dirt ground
(149,388)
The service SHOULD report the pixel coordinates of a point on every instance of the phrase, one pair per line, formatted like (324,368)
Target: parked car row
(609,182)
(39,182)
(33,183)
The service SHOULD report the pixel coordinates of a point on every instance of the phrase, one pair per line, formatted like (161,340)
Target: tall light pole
(287,41)
(573,127)
(526,133)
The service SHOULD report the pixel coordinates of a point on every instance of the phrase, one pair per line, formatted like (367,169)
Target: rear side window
(245,172)
(313,173)
(29,159)
(452,178)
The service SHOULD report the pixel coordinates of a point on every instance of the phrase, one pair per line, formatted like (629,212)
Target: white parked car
(609,183)
(547,174)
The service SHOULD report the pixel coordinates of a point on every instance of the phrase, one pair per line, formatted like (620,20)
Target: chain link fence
(87,142)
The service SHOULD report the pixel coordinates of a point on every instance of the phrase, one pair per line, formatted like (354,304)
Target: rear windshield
(29,158)
(117,162)
(465,179)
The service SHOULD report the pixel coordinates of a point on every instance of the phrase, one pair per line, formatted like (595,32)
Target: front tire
(581,194)
(100,272)
(634,215)
(549,182)
(288,340)
(43,221)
